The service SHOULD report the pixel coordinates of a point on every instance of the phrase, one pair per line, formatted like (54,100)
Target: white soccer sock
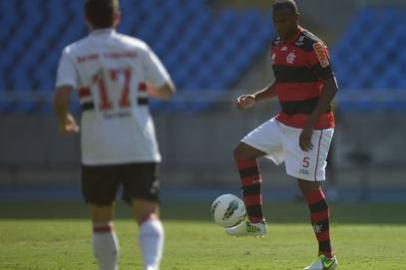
(105,246)
(152,242)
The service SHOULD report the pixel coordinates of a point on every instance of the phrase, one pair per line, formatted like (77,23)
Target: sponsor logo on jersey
(321,53)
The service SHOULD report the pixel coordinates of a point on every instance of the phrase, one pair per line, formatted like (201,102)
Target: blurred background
(215,50)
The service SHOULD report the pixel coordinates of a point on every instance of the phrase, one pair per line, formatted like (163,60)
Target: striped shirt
(300,68)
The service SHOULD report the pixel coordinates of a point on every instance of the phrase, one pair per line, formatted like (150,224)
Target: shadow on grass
(275,212)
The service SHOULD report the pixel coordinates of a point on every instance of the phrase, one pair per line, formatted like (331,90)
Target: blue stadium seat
(362,66)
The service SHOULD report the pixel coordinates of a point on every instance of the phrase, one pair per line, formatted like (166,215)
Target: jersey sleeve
(66,74)
(319,60)
(156,73)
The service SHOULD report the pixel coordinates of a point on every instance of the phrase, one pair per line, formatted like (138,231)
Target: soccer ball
(228,210)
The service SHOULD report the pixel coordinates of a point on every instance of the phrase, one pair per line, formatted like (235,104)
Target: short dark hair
(285,5)
(101,13)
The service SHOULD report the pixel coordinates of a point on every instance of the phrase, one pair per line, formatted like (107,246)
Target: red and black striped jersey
(300,68)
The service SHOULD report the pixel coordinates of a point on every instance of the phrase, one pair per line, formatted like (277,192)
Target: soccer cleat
(246,228)
(323,263)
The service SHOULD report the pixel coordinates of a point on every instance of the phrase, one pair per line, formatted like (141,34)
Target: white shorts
(281,143)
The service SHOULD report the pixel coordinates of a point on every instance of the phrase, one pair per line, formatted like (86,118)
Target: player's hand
(245,102)
(69,126)
(305,139)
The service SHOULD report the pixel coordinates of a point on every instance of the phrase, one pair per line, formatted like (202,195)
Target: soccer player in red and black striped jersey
(300,135)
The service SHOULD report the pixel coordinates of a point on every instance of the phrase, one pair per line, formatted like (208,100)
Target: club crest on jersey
(321,54)
(290,59)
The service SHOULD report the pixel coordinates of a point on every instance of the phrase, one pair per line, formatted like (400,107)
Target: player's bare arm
(164,92)
(67,123)
(329,90)
(245,102)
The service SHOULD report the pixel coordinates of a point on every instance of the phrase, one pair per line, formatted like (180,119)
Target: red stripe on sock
(321,216)
(103,229)
(248,181)
(323,236)
(253,200)
(245,164)
(315,196)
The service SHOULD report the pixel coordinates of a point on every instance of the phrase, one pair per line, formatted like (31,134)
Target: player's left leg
(104,240)
(141,190)
(309,167)
(99,187)
(319,218)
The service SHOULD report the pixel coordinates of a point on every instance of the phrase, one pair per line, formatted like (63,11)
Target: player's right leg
(99,187)
(151,236)
(263,141)
(246,159)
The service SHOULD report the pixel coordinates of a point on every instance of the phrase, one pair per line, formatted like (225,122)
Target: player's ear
(88,23)
(117,19)
(297,15)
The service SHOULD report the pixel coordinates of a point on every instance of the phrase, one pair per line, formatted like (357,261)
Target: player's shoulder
(76,47)
(307,40)
(132,42)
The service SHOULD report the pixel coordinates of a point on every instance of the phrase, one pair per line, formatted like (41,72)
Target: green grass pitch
(56,235)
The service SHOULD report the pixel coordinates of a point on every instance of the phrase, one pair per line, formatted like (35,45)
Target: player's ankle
(255,220)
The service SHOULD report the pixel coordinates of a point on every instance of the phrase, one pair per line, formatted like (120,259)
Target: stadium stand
(202,48)
(369,62)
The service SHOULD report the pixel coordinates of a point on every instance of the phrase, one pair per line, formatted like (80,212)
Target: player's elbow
(331,85)
(168,91)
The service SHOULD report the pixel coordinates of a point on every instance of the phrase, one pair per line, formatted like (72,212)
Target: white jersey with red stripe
(110,71)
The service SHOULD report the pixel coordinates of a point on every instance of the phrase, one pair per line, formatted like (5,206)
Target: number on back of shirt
(113,87)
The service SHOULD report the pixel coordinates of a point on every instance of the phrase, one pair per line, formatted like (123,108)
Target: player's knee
(246,152)
(145,210)
(308,187)
(239,153)
(101,214)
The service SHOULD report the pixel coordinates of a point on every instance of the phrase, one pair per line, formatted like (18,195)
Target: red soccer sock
(319,217)
(251,188)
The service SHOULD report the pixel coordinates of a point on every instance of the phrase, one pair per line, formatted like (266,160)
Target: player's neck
(293,36)
(103,30)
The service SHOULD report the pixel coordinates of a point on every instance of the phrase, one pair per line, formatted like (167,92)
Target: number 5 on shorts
(306,162)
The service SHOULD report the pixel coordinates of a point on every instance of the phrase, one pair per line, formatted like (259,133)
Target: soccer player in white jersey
(115,75)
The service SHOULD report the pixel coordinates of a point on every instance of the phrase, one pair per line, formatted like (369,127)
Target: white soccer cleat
(323,263)
(246,228)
